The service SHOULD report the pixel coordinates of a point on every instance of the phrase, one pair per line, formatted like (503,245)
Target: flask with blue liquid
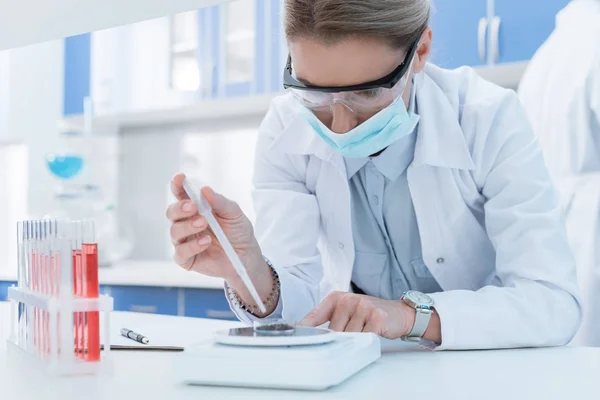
(64,166)
(68,162)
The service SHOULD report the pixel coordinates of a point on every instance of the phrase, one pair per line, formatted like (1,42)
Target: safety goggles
(362,98)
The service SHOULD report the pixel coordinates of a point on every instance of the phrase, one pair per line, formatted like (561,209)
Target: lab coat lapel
(440,150)
(332,191)
(440,139)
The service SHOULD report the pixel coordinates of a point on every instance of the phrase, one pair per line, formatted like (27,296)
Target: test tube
(42,285)
(91,290)
(48,279)
(77,285)
(52,318)
(36,275)
(29,313)
(19,251)
(63,257)
(20,278)
(49,276)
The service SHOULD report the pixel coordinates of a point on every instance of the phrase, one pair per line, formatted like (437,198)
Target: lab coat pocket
(367,271)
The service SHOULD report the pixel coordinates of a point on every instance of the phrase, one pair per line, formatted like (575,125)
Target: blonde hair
(398,22)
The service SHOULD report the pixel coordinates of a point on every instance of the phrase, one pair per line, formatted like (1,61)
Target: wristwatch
(423,305)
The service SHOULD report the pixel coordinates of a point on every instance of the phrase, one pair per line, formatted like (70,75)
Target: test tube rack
(56,305)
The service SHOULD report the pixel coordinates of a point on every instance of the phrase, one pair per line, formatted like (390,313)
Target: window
(185,71)
(4,93)
(239,41)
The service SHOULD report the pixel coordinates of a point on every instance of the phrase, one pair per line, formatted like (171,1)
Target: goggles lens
(361,101)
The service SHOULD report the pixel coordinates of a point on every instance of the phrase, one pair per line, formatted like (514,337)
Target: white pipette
(193,192)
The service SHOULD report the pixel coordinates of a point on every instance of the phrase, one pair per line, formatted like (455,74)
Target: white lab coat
(561,95)
(490,221)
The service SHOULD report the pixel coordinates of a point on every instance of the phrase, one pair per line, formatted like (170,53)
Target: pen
(128,333)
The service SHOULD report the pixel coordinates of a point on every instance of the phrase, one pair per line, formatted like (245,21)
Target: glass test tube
(49,276)
(77,285)
(44,285)
(29,312)
(63,258)
(22,319)
(36,279)
(91,289)
(20,274)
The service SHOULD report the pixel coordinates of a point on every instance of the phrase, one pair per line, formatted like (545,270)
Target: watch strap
(422,317)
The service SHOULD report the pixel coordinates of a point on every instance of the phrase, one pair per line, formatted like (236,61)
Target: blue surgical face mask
(373,135)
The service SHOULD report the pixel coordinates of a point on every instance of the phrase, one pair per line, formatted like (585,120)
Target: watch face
(419,299)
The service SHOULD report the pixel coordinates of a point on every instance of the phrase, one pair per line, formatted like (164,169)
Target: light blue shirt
(386,235)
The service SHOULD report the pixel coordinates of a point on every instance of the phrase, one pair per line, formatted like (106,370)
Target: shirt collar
(396,157)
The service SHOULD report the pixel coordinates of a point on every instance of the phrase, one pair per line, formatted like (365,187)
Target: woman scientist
(392,196)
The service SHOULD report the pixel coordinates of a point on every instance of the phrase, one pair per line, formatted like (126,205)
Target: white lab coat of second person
(490,221)
(561,95)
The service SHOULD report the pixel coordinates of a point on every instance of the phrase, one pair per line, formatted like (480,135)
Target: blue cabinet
(148,299)
(77,73)
(456,36)
(4,285)
(207,303)
(523,26)
(199,303)
(467,32)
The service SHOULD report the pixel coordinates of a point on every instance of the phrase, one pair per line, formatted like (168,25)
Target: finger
(181,210)
(344,310)
(358,319)
(185,253)
(356,324)
(322,313)
(177,187)
(221,205)
(182,230)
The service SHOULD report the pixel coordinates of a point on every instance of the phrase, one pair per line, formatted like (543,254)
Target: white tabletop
(144,273)
(558,373)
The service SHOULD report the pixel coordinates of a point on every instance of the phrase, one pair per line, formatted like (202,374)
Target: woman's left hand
(348,312)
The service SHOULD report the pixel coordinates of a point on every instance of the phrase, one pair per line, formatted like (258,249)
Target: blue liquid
(65,167)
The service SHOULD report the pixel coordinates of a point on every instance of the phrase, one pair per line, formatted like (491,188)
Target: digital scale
(284,357)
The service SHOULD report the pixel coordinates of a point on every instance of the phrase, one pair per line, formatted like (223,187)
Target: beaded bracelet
(253,309)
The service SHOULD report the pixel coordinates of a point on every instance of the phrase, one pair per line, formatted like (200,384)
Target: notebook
(164,333)
(159,340)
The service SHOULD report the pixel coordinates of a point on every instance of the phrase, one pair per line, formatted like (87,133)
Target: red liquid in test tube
(75,315)
(34,288)
(45,286)
(91,290)
(77,287)
(53,271)
(78,317)
(44,276)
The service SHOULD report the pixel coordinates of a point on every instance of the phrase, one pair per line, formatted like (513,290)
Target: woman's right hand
(196,247)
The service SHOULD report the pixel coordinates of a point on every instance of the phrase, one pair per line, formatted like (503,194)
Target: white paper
(162,331)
